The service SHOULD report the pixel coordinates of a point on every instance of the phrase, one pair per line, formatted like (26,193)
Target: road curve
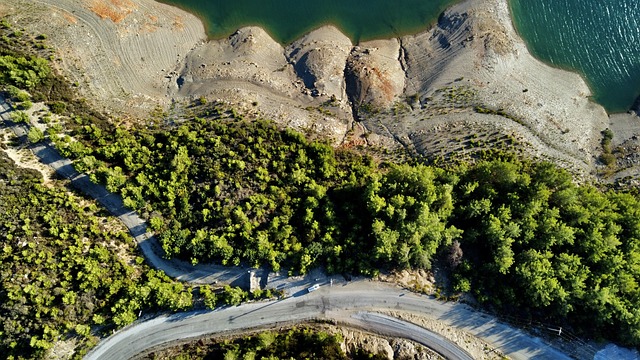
(343,302)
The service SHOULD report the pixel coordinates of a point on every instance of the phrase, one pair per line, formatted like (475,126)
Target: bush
(23,72)
(16,94)
(20,117)
(58,107)
(608,159)
(607,136)
(25,105)
(35,135)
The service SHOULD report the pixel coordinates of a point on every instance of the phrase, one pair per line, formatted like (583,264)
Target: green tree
(234,295)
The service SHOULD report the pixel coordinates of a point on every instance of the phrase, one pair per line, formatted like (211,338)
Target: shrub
(608,159)
(16,94)
(23,72)
(25,105)
(607,136)
(20,117)
(58,107)
(35,135)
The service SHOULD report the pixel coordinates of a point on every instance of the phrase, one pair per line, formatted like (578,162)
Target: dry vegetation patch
(114,10)
(494,34)
(178,23)
(419,281)
(70,18)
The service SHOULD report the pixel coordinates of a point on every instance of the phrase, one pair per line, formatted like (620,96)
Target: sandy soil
(476,56)
(23,157)
(626,149)
(118,51)
(474,346)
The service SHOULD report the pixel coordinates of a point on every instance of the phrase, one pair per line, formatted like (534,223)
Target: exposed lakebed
(598,39)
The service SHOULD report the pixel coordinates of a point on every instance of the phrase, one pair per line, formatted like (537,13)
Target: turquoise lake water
(600,39)
(286,20)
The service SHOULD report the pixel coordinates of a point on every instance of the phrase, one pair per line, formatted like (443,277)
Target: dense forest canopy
(64,272)
(520,235)
(237,192)
(68,273)
(535,243)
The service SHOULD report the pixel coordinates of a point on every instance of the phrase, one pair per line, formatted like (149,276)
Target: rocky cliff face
(469,75)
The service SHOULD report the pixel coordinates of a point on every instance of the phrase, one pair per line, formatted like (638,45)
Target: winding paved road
(350,303)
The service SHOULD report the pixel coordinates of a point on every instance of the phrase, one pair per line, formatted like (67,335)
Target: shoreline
(557,66)
(569,68)
(355,39)
(563,68)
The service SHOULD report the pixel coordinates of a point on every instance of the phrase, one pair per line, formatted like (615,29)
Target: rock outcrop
(400,349)
(374,74)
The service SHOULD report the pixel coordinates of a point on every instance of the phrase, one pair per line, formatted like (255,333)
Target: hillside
(466,83)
